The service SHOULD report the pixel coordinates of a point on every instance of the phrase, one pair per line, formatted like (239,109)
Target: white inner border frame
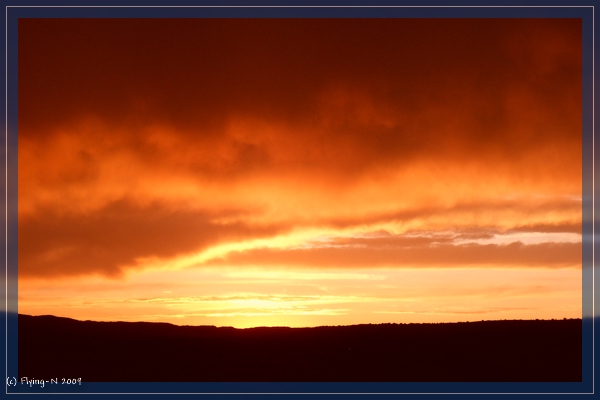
(306,393)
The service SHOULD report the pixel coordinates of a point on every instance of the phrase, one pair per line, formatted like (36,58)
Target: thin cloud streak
(516,254)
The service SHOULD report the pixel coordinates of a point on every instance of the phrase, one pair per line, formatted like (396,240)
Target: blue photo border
(15,9)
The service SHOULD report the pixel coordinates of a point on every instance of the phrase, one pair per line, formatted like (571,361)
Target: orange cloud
(215,132)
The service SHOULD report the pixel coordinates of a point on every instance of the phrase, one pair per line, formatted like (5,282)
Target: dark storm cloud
(433,87)
(117,114)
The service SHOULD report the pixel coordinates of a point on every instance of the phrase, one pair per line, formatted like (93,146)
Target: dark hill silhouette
(492,351)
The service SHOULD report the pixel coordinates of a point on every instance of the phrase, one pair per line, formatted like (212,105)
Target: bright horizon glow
(310,298)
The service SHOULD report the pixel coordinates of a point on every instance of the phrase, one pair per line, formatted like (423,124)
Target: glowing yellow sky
(243,173)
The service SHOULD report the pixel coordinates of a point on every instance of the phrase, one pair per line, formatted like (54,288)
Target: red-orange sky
(300,171)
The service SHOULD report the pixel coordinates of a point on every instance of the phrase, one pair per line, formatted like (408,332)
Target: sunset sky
(300,172)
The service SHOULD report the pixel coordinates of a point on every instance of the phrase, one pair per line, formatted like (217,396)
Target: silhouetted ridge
(514,350)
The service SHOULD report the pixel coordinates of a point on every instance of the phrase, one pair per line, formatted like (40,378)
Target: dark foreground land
(489,351)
